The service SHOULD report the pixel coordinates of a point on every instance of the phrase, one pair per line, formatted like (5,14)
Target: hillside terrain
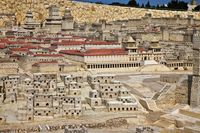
(82,12)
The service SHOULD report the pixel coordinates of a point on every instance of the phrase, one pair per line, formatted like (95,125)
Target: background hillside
(82,12)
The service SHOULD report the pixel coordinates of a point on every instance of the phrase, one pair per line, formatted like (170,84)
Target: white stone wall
(106,58)
(53,28)
(89,46)
(67,25)
(68,47)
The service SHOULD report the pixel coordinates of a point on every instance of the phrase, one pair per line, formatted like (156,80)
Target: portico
(113,65)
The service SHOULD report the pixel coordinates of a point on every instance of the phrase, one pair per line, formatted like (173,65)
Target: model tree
(133,3)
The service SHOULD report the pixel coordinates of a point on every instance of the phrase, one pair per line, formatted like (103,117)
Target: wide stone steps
(149,104)
(163,90)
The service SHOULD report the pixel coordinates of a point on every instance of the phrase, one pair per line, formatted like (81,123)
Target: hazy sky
(153,2)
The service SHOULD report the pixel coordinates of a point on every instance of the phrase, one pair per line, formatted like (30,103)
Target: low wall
(116,122)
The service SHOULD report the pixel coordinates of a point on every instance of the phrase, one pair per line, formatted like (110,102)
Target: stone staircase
(163,90)
(149,104)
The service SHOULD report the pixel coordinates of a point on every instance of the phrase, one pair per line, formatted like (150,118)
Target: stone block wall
(181,94)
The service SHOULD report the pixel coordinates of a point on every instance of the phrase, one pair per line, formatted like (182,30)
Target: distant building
(30,24)
(53,22)
(67,21)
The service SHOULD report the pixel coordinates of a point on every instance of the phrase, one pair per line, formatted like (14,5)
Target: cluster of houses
(48,96)
(109,94)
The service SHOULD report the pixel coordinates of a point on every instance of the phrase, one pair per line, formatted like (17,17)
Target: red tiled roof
(2,46)
(51,49)
(17,42)
(95,52)
(4,40)
(15,55)
(31,47)
(48,55)
(10,37)
(67,40)
(42,43)
(70,43)
(20,49)
(46,39)
(26,37)
(30,53)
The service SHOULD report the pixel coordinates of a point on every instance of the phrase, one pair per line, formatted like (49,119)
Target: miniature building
(170,78)
(67,21)
(67,78)
(130,44)
(131,56)
(61,89)
(53,22)
(109,93)
(46,98)
(8,67)
(119,106)
(45,67)
(30,24)
(82,43)
(72,106)
(114,58)
(94,100)
(44,76)
(100,78)
(11,84)
(2,92)
(46,57)
(74,88)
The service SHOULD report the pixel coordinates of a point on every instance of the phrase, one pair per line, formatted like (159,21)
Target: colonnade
(120,65)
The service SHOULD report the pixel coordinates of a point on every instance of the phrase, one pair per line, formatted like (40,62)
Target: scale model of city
(78,67)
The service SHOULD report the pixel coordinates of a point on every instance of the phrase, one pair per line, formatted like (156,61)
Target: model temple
(72,67)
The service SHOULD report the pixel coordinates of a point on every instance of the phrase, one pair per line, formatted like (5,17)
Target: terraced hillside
(83,12)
